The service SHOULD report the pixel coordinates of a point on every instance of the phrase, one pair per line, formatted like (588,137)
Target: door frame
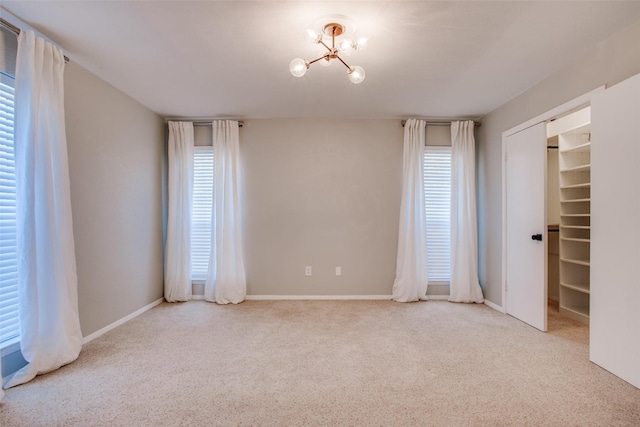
(561,110)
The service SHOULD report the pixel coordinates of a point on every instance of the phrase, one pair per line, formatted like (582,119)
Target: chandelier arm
(316,60)
(345,64)
(323,44)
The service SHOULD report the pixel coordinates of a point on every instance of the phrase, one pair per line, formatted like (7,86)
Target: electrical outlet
(307,270)
(338,271)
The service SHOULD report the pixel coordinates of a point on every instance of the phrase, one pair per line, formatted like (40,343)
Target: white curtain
(177,272)
(226,281)
(50,333)
(464,229)
(411,265)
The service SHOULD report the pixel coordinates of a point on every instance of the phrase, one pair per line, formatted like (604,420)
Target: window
(201,211)
(437,196)
(9,321)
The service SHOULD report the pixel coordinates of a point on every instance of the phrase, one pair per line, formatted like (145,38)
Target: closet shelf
(577,227)
(584,147)
(584,261)
(579,287)
(580,168)
(581,311)
(582,185)
(575,200)
(575,239)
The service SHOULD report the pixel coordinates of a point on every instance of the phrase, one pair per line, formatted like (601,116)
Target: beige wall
(323,193)
(608,63)
(115,148)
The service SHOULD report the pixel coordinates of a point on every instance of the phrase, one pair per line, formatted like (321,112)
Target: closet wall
(615,290)
(553,220)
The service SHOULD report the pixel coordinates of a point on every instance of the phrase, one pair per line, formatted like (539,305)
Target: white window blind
(9,321)
(437,195)
(201,211)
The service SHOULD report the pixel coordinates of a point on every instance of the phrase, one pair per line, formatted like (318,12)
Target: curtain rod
(440,123)
(240,123)
(9,26)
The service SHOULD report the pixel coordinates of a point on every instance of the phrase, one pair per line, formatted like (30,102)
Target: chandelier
(336,36)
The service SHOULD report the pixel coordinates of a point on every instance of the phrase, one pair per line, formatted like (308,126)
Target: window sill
(10,346)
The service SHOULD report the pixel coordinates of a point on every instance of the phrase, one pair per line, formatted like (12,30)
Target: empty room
(319,213)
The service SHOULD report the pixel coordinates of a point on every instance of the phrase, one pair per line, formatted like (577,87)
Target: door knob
(537,237)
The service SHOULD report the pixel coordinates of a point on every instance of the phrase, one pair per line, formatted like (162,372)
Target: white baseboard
(317,297)
(333,297)
(494,306)
(323,297)
(117,323)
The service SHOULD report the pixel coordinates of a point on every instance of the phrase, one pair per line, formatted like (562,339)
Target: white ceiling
(231,58)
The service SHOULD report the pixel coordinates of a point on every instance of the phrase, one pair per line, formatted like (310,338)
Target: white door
(526,225)
(615,230)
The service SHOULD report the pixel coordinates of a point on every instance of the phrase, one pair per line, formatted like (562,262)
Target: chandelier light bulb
(298,67)
(362,43)
(312,36)
(356,74)
(346,45)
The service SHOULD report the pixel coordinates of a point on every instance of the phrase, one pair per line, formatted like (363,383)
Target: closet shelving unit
(575,220)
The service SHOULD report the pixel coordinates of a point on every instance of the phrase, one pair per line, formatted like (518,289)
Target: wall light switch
(307,270)
(338,271)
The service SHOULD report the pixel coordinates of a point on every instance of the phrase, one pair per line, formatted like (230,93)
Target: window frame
(438,279)
(7,133)
(198,211)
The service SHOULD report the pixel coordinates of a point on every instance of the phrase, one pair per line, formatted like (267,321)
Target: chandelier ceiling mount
(333,29)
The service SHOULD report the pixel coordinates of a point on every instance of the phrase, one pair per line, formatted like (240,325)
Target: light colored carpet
(373,363)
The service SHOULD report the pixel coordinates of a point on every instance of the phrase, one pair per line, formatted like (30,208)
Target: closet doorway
(546,211)
(569,213)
